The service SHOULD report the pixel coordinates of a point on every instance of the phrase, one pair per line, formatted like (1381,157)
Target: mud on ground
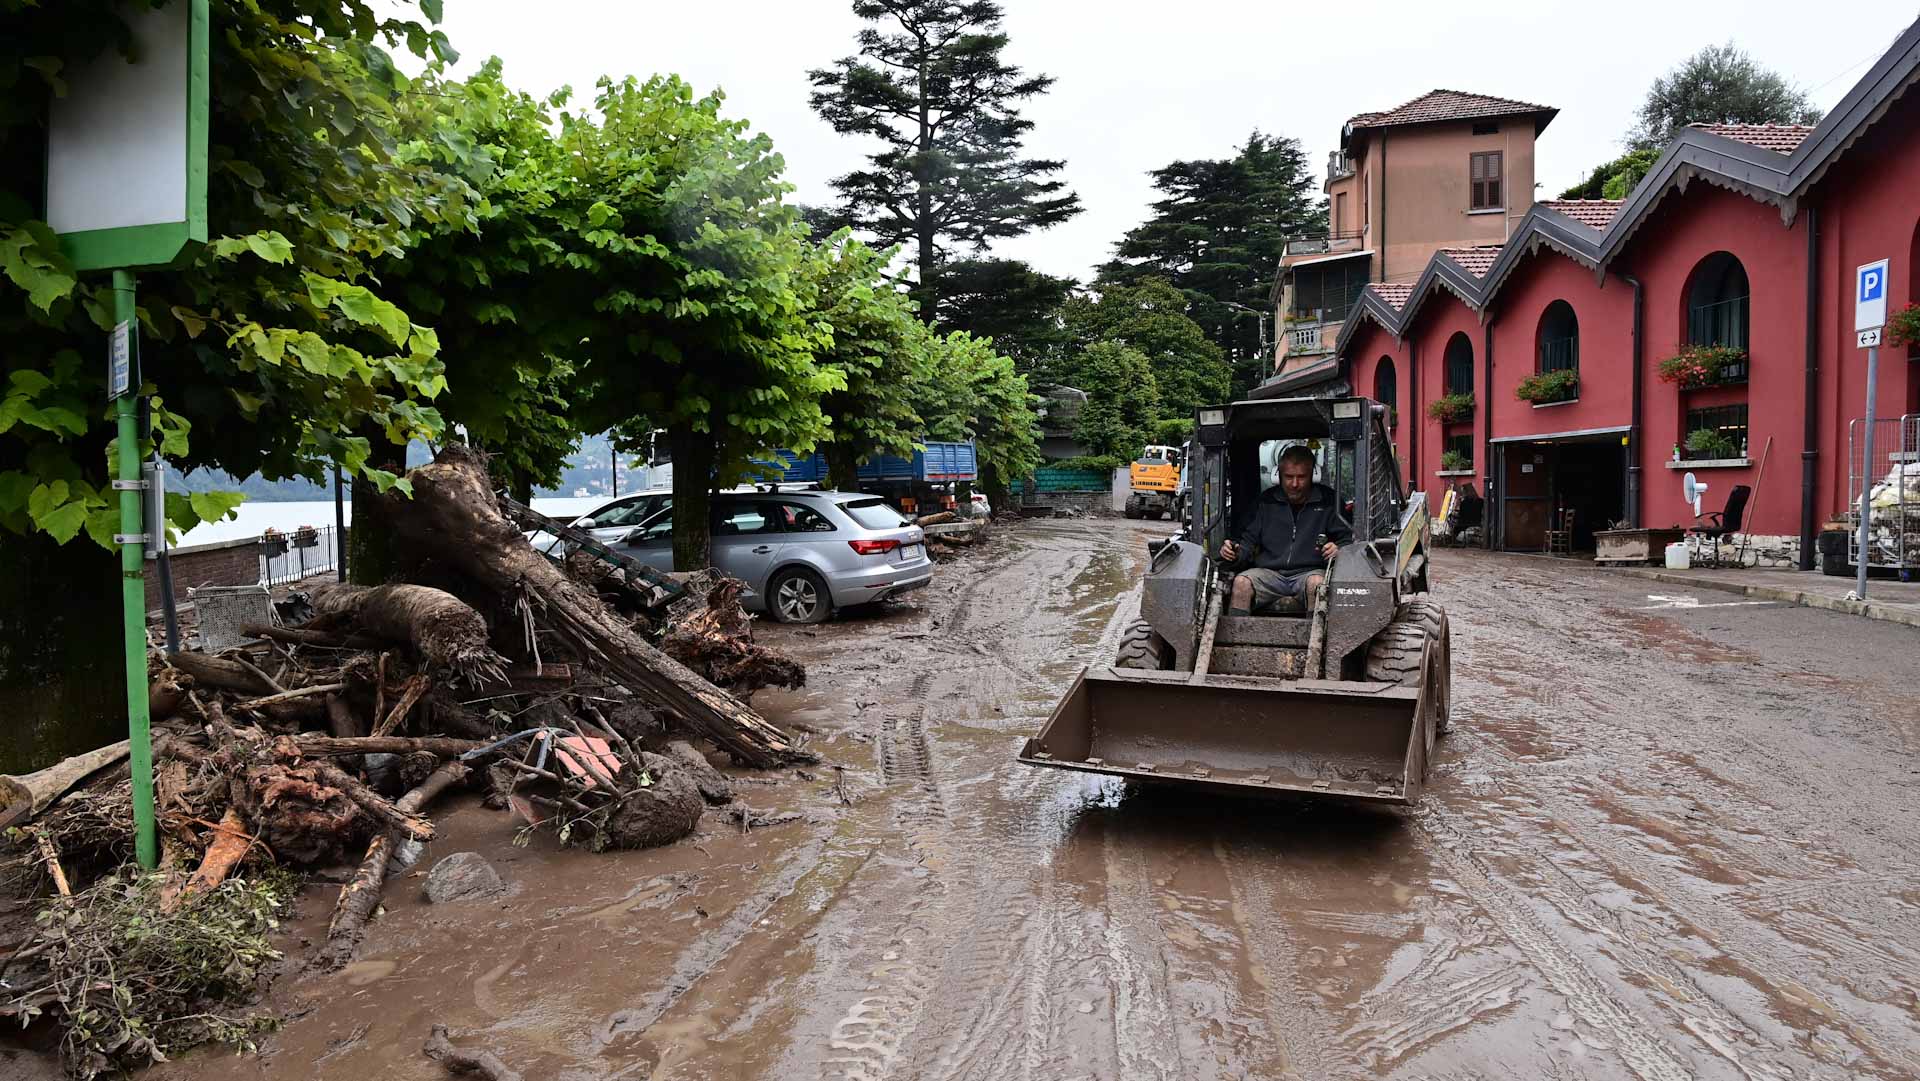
(1670,837)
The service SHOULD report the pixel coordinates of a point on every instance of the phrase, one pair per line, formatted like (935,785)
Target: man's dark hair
(1298,453)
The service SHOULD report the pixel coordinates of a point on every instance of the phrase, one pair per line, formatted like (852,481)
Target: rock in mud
(713,785)
(463,876)
(662,812)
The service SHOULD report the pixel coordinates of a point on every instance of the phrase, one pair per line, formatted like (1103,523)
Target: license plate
(911,552)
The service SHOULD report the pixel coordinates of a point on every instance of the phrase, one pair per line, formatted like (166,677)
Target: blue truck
(922,483)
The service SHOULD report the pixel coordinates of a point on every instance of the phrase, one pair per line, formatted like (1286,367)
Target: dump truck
(1157,483)
(1342,696)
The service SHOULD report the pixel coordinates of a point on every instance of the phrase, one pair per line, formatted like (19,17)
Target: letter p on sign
(1870,296)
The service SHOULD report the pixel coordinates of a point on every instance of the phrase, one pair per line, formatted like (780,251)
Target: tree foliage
(1122,402)
(1189,370)
(930,84)
(1216,235)
(972,391)
(880,350)
(1008,301)
(1720,84)
(1616,178)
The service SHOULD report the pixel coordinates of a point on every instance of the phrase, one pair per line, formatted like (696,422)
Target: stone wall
(1763,549)
(222,563)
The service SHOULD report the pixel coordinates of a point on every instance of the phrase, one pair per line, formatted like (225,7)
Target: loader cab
(1240,446)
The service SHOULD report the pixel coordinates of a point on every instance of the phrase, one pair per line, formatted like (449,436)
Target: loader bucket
(1348,740)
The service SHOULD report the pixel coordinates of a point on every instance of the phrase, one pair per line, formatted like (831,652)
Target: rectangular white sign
(1870,296)
(117,152)
(1867,337)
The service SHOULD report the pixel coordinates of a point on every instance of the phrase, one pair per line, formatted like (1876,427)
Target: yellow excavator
(1158,483)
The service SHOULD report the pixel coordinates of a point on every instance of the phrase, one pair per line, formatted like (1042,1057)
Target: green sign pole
(133,593)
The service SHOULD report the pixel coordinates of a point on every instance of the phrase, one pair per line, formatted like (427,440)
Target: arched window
(1717,301)
(1386,388)
(1459,367)
(1559,338)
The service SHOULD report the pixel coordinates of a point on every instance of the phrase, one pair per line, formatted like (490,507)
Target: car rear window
(874,514)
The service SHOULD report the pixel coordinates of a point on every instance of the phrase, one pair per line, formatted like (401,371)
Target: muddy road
(1670,837)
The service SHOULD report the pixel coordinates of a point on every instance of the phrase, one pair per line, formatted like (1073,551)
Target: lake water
(256,518)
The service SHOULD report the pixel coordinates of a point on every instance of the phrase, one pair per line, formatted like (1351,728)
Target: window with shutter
(1484,180)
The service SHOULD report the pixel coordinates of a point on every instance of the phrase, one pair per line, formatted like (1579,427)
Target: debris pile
(567,691)
(947,533)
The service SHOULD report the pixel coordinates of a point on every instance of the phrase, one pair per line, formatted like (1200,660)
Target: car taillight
(873,547)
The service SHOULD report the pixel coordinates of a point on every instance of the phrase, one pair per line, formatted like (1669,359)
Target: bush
(1451,407)
(1699,365)
(1171,433)
(1453,461)
(1105,463)
(1707,443)
(1544,387)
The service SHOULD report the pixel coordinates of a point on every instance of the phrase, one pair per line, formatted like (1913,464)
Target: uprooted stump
(443,629)
(658,813)
(710,632)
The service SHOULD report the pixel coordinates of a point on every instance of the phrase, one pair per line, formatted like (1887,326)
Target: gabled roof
(1592,213)
(1780,138)
(1475,261)
(1438,105)
(1393,293)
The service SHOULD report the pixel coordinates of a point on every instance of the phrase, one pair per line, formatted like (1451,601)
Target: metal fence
(1893,478)
(290,557)
(1720,323)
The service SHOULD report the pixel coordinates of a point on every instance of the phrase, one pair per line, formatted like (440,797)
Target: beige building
(1445,170)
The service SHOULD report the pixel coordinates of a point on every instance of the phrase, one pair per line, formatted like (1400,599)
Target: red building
(1738,247)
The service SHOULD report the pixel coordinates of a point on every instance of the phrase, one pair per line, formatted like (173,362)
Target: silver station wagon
(801,554)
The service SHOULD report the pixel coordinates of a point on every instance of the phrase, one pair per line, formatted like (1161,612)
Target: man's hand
(1230,552)
(1329,550)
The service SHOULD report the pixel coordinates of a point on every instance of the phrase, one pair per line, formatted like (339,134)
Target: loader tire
(1141,648)
(1394,654)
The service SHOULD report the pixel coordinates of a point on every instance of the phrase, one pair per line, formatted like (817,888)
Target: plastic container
(1678,557)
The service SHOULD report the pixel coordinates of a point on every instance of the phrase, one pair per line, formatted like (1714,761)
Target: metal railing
(1323,243)
(303,553)
(1723,322)
(1894,476)
(1560,354)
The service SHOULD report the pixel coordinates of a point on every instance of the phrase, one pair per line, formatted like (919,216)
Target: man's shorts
(1278,589)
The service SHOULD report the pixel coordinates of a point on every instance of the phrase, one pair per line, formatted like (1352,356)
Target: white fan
(1691,489)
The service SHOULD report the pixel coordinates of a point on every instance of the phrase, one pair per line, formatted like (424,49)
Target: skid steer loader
(1340,697)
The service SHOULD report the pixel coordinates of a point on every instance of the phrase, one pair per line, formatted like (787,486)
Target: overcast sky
(1142,84)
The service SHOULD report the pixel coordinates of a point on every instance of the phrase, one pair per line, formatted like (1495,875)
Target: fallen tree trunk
(338,747)
(443,629)
(361,895)
(23,798)
(221,672)
(452,498)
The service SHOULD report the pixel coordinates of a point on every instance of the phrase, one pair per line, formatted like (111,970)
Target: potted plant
(1706,444)
(1699,366)
(306,537)
(273,543)
(1449,408)
(1904,327)
(1545,387)
(1452,461)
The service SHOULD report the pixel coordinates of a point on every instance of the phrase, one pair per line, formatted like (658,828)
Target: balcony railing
(1303,339)
(1338,167)
(1720,323)
(1323,243)
(1560,354)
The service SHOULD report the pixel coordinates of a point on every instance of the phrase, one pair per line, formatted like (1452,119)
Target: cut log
(22,798)
(219,672)
(336,747)
(452,498)
(443,629)
(361,895)
(484,1063)
(939,518)
(229,847)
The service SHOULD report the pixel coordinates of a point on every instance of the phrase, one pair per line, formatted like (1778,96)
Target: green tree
(1616,178)
(930,84)
(1216,235)
(1008,301)
(880,350)
(695,274)
(1122,401)
(1720,84)
(269,350)
(1189,370)
(971,391)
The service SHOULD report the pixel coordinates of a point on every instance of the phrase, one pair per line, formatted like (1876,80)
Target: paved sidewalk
(1888,599)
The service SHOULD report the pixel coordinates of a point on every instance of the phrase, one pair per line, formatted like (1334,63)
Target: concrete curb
(1906,615)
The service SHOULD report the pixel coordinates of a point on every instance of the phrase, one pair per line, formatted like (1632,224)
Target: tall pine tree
(929,83)
(1216,235)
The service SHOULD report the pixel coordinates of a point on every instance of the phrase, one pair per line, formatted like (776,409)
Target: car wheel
(798,596)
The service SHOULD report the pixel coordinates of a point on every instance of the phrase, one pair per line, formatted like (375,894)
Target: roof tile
(1779,138)
(1447,105)
(1475,261)
(1592,213)
(1394,293)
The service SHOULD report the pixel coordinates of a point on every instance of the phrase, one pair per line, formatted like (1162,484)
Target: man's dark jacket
(1282,537)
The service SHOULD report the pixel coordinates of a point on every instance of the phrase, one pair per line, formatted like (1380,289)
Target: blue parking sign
(1870,296)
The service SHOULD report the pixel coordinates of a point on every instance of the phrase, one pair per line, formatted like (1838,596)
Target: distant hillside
(589,471)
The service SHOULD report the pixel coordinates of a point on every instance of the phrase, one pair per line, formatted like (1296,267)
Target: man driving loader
(1295,529)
